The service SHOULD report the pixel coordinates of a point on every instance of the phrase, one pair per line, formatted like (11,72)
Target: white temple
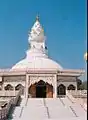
(38,75)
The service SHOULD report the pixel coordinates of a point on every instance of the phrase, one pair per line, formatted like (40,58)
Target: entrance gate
(40,89)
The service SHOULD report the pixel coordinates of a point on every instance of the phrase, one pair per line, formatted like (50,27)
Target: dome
(37,56)
(37,64)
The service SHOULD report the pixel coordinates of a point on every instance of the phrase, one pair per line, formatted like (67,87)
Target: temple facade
(37,75)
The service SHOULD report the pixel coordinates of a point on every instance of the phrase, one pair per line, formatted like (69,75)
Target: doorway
(41,89)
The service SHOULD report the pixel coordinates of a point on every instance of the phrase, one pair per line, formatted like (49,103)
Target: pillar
(2,83)
(3,87)
(26,86)
(14,90)
(76,84)
(55,87)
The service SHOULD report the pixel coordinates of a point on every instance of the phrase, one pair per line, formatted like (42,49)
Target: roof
(37,63)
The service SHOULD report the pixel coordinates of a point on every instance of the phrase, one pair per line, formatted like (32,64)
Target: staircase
(49,109)
(16,111)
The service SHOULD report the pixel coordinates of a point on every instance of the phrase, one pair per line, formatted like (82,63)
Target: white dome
(37,58)
(37,64)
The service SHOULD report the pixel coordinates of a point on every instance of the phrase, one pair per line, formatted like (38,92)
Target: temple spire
(36,39)
(37,18)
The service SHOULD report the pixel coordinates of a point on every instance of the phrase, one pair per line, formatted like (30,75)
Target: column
(55,87)
(26,86)
(14,90)
(76,83)
(2,85)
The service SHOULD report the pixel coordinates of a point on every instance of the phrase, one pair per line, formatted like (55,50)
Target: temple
(37,75)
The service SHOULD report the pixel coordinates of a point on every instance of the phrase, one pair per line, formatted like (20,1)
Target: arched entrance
(71,87)
(61,90)
(41,89)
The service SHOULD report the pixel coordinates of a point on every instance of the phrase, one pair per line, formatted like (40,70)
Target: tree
(79,84)
(84,85)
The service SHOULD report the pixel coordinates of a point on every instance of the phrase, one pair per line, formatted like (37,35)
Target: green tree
(79,84)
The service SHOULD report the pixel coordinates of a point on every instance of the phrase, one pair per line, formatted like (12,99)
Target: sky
(64,23)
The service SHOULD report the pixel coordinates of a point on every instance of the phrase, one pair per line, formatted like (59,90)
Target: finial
(37,18)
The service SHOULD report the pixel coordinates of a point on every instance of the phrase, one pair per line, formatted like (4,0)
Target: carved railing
(8,93)
(78,96)
(78,93)
(5,108)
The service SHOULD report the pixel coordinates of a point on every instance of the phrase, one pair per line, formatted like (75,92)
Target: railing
(4,111)
(3,114)
(26,101)
(79,96)
(8,93)
(78,93)
(73,111)
(62,101)
(44,102)
(48,112)
(70,99)
(21,111)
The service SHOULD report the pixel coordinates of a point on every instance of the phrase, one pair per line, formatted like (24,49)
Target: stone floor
(45,109)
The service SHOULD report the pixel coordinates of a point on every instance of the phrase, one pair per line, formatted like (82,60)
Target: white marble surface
(36,109)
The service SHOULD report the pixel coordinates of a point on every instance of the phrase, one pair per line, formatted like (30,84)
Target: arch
(41,82)
(61,90)
(71,87)
(9,87)
(20,87)
(35,81)
(41,89)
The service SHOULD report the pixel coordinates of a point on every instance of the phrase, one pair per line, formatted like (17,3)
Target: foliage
(84,85)
(81,85)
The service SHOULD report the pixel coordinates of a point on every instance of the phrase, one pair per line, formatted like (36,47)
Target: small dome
(37,64)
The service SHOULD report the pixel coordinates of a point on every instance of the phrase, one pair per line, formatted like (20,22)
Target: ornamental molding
(14,78)
(66,78)
(14,84)
(48,79)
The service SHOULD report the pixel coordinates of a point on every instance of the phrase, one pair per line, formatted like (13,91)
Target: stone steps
(51,109)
